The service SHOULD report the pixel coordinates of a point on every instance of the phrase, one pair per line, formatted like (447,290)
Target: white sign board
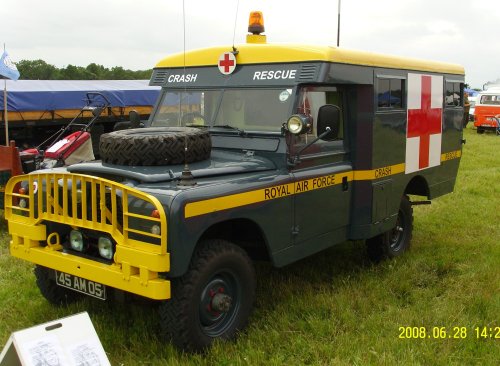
(70,341)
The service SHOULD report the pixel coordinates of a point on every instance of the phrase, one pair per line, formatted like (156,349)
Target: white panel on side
(414,91)
(435,150)
(412,153)
(437,92)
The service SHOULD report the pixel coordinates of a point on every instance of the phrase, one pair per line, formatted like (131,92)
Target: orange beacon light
(256,22)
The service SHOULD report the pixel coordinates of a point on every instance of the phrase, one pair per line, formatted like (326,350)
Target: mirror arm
(296,158)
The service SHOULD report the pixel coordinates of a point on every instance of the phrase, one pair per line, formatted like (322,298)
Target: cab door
(322,177)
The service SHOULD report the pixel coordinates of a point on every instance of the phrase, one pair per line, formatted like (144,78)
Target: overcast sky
(137,34)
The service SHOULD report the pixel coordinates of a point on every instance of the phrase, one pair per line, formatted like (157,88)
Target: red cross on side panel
(424,122)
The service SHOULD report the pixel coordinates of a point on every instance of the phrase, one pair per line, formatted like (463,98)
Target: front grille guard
(51,197)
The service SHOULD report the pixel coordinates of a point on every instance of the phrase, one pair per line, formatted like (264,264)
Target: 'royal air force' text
(299,187)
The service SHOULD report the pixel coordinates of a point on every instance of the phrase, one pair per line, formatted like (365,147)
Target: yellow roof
(263,53)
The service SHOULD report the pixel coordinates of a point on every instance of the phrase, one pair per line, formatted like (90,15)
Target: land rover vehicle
(253,152)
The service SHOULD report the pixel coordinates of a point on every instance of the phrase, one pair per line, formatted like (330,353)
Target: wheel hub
(396,235)
(221,302)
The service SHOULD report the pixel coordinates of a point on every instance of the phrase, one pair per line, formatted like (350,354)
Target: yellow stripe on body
(451,155)
(223,203)
(212,205)
(379,172)
(265,194)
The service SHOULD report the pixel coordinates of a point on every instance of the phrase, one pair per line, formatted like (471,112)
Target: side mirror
(329,117)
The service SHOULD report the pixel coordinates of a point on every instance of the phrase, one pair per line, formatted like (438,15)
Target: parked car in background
(486,108)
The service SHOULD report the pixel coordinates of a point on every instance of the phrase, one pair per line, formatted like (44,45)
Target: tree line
(41,70)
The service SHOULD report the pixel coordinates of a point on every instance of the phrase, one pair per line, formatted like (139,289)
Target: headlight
(76,240)
(105,247)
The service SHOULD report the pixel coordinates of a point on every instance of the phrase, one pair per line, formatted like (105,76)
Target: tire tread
(155,146)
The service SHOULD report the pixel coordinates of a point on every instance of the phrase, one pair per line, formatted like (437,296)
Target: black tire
(57,295)
(396,241)
(155,146)
(480,130)
(220,275)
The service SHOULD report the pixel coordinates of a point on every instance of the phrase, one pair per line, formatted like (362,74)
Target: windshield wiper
(229,127)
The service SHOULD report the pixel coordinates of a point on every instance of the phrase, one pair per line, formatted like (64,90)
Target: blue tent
(50,95)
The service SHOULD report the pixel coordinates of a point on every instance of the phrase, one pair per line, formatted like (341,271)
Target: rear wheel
(480,130)
(213,300)
(396,241)
(57,295)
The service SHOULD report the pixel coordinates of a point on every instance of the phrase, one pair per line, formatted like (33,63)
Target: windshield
(244,109)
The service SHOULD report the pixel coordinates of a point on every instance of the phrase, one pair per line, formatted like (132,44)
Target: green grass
(335,307)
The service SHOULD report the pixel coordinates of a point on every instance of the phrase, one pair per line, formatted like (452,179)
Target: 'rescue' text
(274,74)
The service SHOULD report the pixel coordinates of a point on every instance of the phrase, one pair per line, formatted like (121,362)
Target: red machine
(62,148)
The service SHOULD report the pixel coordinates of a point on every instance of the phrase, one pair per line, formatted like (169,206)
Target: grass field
(335,307)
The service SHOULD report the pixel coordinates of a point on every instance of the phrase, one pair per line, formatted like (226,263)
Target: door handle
(345,184)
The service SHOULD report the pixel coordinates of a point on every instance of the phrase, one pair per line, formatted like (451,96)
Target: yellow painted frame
(136,265)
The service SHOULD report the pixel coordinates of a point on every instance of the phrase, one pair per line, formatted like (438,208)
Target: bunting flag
(7,68)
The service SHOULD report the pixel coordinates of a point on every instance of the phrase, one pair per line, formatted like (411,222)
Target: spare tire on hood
(155,146)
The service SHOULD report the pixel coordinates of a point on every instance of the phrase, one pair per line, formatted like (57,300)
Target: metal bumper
(53,197)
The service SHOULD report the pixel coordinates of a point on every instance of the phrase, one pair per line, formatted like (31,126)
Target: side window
(311,99)
(453,97)
(390,93)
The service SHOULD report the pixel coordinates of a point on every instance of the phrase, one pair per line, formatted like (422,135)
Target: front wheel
(213,300)
(396,241)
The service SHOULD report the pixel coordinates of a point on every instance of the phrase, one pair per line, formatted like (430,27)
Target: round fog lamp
(299,123)
(76,240)
(105,246)
(23,203)
(155,230)
(295,125)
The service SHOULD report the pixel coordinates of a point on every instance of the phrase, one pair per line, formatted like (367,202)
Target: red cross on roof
(424,122)
(226,63)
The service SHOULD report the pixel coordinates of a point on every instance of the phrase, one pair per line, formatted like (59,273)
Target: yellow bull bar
(82,201)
